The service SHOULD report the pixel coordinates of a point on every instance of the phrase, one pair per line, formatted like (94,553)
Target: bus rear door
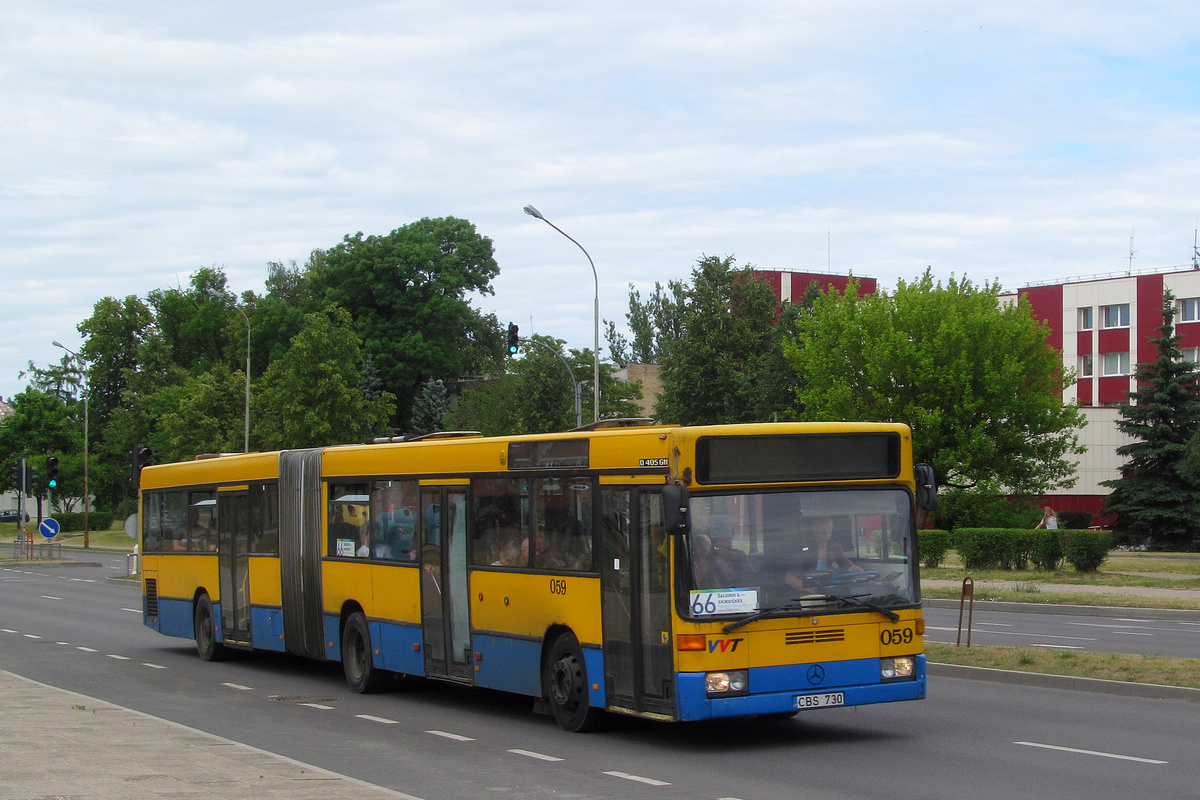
(233,545)
(445,592)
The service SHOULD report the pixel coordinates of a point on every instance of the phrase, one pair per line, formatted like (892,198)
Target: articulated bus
(666,572)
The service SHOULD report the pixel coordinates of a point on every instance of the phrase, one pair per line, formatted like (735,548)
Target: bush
(1075,520)
(1087,550)
(73,520)
(996,548)
(982,508)
(1047,549)
(932,545)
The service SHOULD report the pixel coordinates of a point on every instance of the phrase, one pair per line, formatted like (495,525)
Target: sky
(1010,141)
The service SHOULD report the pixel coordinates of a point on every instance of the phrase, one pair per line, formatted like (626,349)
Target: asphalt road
(75,628)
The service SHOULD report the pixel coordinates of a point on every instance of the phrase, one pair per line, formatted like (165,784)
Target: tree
(407,293)
(429,408)
(313,395)
(976,381)
(1157,497)
(40,425)
(721,366)
(111,339)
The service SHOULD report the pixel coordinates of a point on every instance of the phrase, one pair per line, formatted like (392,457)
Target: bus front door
(635,575)
(233,545)
(445,600)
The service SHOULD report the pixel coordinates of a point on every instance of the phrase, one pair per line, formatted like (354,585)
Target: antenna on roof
(1196,248)
(1131,252)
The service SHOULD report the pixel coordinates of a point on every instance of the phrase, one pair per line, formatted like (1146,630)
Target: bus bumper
(773,690)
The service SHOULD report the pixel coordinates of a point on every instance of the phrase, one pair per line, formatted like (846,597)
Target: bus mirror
(926,487)
(676,515)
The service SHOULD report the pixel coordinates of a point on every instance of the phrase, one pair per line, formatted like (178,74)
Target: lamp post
(87,498)
(215,293)
(533,212)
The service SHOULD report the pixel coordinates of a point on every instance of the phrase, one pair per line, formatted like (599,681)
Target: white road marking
(380,720)
(1091,752)
(152,666)
(134,610)
(66,643)
(318,705)
(88,649)
(1015,633)
(531,754)
(1132,633)
(456,737)
(118,658)
(32,636)
(7,630)
(50,597)
(1057,646)
(239,687)
(995,624)
(638,778)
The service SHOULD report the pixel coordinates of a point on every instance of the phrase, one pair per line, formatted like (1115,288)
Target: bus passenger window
(393,520)
(202,521)
(563,510)
(349,513)
(151,521)
(174,521)
(499,536)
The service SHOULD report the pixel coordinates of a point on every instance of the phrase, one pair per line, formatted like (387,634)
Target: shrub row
(73,520)
(1012,548)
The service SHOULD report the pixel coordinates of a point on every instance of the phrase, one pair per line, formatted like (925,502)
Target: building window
(1115,316)
(1086,366)
(1086,321)
(1116,363)
(1189,309)
(1190,355)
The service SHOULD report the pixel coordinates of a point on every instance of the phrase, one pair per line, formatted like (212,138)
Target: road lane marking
(531,754)
(1057,646)
(1015,633)
(50,597)
(1132,633)
(380,720)
(32,636)
(638,778)
(1091,752)
(152,666)
(7,630)
(456,737)
(134,610)
(118,658)
(318,705)
(239,687)
(88,649)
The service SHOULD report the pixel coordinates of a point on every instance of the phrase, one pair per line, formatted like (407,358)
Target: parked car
(12,515)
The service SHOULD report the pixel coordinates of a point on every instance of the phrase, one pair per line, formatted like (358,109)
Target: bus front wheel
(360,670)
(566,686)
(205,627)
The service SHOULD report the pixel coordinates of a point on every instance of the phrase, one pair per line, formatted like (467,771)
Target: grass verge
(1127,667)
(1023,595)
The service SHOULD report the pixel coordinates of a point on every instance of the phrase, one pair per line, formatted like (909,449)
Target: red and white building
(1102,326)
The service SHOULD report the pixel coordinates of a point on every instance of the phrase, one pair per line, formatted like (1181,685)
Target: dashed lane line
(320,706)
(380,720)
(117,657)
(455,736)
(1099,753)
(637,778)
(152,666)
(239,687)
(532,754)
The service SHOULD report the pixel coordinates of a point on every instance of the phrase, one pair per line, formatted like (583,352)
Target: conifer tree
(1156,501)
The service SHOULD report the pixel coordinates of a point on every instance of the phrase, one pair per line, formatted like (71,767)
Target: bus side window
(151,521)
(498,530)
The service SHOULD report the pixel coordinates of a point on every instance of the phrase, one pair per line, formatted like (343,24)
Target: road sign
(49,528)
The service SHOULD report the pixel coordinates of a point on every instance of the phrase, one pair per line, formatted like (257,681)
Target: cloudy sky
(1011,140)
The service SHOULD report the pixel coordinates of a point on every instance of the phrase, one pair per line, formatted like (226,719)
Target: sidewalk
(58,744)
(1073,588)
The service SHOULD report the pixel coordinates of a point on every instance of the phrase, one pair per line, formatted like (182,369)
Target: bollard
(968,593)
(131,563)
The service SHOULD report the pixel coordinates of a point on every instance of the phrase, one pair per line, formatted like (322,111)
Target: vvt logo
(816,674)
(724,645)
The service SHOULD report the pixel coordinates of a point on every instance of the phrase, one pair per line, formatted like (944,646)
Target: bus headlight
(730,683)
(896,669)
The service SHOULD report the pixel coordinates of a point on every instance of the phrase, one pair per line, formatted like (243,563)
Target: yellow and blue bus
(673,573)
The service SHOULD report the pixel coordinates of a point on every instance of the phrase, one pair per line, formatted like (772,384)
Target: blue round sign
(49,528)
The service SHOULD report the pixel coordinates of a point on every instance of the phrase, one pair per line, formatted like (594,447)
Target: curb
(1041,680)
(1183,614)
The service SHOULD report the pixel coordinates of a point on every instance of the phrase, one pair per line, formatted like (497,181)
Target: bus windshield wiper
(892,615)
(757,615)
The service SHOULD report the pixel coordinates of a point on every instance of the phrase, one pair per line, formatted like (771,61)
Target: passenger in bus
(701,566)
(364,541)
(547,555)
(824,555)
(730,567)
(510,556)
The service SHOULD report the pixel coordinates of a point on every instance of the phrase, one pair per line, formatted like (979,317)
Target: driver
(825,555)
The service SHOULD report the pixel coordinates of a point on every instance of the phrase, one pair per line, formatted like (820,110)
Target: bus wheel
(205,626)
(566,686)
(361,673)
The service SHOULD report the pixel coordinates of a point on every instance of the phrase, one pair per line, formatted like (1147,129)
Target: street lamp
(217,294)
(87,498)
(533,212)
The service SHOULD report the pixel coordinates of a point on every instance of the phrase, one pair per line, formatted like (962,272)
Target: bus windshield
(819,550)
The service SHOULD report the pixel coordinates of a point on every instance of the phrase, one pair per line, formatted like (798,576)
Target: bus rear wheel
(205,628)
(566,686)
(361,673)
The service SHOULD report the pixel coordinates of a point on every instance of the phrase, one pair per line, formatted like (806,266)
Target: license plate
(819,700)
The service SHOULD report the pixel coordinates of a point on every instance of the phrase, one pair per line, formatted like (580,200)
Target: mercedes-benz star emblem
(816,674)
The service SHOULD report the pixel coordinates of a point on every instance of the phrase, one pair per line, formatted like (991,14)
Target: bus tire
(204,623)
(566,685)
(357,664)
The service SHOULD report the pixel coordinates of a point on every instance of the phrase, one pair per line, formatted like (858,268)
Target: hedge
(1087,550)
(73,520)
(1011,548)
(932,545)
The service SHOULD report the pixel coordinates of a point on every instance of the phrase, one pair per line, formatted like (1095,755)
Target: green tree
(430,408)
(112,335)
(40,425)
(407,292)
(1157,498)
(313,394)
(204,414)
(722,367)
(974,379)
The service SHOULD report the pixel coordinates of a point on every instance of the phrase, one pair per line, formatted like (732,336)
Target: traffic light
(16,476)
(30,478)
(514,342)
(142,457)
(52,471)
